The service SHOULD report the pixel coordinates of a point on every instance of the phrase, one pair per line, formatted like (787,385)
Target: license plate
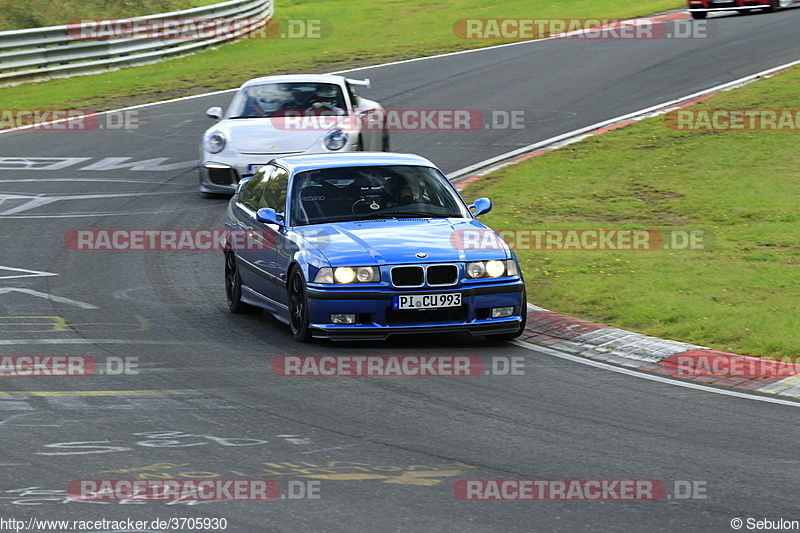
(252,169)
(427,301)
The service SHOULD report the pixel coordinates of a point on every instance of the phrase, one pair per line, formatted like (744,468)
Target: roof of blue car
(302,163)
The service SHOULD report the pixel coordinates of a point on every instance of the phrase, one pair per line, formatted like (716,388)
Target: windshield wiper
(415,214)
(332,219)
(376,216)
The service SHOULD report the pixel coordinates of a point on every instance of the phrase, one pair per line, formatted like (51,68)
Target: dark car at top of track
(700,8)
(365,245)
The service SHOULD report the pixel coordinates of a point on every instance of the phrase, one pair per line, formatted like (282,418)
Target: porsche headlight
(492,269)
(344,275)
(335,140)
(215,142)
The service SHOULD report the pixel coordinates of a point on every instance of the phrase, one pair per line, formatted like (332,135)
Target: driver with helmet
(325,99)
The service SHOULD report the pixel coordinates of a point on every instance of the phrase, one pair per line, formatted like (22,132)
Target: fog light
(502,312)
(343,318)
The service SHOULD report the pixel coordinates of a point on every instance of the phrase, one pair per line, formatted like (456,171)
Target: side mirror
(481,206)
(214,112)
(267,215)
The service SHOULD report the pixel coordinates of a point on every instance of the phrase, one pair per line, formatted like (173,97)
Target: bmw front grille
(419,276)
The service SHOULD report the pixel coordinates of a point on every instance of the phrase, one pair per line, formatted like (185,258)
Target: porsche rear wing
(360,83)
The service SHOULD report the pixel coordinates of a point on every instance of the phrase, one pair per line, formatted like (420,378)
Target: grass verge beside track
(18,14)
(362,32)
(740,293)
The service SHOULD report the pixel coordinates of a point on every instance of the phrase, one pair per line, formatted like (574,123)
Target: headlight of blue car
(362,274)
(492,269)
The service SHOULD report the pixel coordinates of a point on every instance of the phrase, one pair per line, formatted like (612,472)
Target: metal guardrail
(38,54)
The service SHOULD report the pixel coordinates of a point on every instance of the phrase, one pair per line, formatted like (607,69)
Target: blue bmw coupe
(366,245)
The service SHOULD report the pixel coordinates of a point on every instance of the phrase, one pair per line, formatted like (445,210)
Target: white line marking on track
(46,296)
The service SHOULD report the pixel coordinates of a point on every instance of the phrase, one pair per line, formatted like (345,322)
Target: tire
(233,287)
(298,307)
(774,5)
(699,15)
(511,336)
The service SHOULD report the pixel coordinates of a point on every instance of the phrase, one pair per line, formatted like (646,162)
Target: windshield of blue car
(279,99)
(373,192)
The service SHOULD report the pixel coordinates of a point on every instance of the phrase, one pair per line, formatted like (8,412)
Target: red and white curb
(642,352)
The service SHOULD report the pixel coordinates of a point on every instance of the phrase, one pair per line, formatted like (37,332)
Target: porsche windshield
(273,99)
(373,192)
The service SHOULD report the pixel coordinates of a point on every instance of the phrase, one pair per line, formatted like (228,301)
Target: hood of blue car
(404,241)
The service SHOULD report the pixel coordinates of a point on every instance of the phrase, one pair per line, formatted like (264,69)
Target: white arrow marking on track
(46,296)
(27,273)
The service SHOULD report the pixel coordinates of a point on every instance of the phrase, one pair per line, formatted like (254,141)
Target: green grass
(741,295)
(18,14)
(362,32)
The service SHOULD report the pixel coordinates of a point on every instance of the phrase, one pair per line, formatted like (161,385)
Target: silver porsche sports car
(277,116)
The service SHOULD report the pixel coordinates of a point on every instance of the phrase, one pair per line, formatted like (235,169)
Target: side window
(252,191)
(274,195)
(354,100)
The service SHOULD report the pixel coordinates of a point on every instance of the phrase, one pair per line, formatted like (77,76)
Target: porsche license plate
(427,301)
(252,169)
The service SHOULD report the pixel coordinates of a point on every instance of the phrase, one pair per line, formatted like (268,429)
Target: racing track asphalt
(386,451)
